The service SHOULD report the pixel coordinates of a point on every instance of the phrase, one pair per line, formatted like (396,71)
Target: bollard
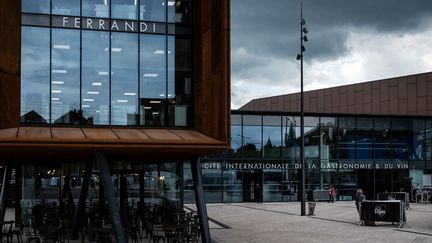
(311,208)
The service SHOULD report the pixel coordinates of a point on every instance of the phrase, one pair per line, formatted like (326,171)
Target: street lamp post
(303,38)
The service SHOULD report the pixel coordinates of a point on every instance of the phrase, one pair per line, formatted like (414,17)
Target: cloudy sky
(350,41)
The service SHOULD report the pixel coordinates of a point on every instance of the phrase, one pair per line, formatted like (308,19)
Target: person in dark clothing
(359,197)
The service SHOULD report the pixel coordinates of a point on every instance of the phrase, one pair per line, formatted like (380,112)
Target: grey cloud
(272,27)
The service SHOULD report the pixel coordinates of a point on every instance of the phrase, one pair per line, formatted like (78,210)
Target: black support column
(81,203)
(141,189)
(110,196)
(199,198)
(5,187)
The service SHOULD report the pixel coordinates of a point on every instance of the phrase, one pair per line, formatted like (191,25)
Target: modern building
(104,101)
(374,135)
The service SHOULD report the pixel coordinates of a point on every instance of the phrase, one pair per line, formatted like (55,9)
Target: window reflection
(180,81)
(399,139)
(124,83)
(65,77)
(66,7)
(35,6)
(95,79)
(179,11)
(88,90)
(153,79)
(252,137)
(365,138)
(152,10)
(124,9)
(272,136)
(95,8)
(382,139)
(35,68)
(347,138)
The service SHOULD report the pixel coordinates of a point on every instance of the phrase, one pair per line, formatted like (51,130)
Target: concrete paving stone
(336,222)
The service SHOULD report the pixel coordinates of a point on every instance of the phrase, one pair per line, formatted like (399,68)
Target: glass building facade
(376,154)
(102,62)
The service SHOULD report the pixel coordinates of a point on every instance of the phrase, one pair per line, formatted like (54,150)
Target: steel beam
(4,190)
(199,199)
(110,196)
(82,200)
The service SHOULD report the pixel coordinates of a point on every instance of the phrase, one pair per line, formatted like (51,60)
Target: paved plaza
(281,222)
(337,222)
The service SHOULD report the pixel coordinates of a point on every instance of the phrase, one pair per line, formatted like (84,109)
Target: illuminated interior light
(102,73)
(150,75)
(162,95)
(59,71)
(55,98)
(64,47)
(57,82)
(85,106)
(114,49)
(97,84)
(155,101)
(130,93)
(88,100)
(147,107)
(56,91)
(122,101)
(155,113)
(93,92)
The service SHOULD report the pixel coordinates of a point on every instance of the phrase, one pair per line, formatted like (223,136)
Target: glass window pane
(212,183)
(95,79)
(417,140)
(272,185)
(152,80)
(35,74)
(152,10)
(346,133)
(365,137)
(272,135)
(180,81)
(95,8)
(252,137)
(66,7)
(328,137)
(124,9)
(236,141)
(182,12)
(172,11)
(232,186)
(382,139)
(65,77)
(124,75)
(36,6)
(399,136)
(291,133)
(428,142)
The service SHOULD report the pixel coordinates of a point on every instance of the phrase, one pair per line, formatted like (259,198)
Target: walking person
(359,197)
(332,193)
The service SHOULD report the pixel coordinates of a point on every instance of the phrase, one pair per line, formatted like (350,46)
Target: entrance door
(252,188)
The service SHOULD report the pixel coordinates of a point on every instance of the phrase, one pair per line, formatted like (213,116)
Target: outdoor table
(387,211)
